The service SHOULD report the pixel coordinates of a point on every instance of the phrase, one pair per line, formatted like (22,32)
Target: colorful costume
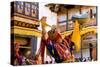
(52,50)
(71,44)
(43,40)
(61,48)
(44,24)
(42,49)
(62,51)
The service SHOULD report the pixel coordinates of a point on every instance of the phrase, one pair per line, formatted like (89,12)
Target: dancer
(43,38)
(60,45)
(50,45)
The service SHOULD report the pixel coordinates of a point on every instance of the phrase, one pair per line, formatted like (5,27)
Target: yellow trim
(83,31)
(89,29)
(37,33)
(25,31)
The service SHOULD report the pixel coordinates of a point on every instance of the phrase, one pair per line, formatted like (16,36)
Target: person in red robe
(60,44)
(61,48)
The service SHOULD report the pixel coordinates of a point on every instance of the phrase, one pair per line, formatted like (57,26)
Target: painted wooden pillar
(34,45)
(67,20)
(81,48)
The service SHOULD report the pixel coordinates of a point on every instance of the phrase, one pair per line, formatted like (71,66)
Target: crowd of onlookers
(84,59)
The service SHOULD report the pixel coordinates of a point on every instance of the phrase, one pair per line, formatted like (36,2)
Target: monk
(60,44)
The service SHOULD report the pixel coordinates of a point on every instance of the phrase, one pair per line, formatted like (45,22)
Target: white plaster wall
(51,16)
(86,53)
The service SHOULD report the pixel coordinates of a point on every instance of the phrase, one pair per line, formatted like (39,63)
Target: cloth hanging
(76,37)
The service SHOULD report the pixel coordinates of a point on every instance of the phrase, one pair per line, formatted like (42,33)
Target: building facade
(24,27)
(87,18)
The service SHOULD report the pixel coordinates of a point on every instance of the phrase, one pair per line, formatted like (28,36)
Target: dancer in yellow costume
(44,23)
(43,38)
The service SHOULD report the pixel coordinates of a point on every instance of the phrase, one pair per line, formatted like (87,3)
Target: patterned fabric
(68,38)
(53,52)
(71,44)
(62,51)
(42,48)
(50,47)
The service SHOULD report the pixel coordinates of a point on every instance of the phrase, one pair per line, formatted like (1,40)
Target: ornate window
(34,11)
(62,18)
(27,8)
(20,6)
